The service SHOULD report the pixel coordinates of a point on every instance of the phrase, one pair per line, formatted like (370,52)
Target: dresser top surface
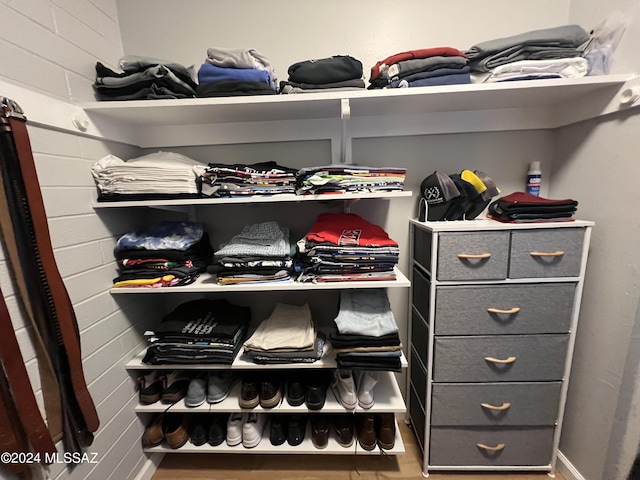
(487,224)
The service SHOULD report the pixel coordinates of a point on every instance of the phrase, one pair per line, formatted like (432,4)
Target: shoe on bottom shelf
(252,429)
(365,431)
(154,432)
(217,429)
(296,429)
(234,428)
(176,429)
(199,430)
(343,427)
(320,425)
(278,429)
(385,425)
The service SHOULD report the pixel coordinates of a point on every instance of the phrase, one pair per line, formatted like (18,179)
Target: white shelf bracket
(345,142)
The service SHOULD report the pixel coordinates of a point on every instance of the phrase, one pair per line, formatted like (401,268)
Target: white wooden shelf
(206,283)
(306,447)
(242,362)
(285,197)
(386,393)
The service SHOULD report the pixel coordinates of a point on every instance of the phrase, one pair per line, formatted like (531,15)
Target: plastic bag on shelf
(603,42)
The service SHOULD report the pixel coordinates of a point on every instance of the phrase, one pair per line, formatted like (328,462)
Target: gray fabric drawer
(530,358)
(543,308)
(422,247)
(453,247)
(454,446)
(546,253)
(421,288)
(419,377)
(504,404)
(419,336)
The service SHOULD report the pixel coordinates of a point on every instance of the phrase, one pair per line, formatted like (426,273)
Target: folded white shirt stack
(572,67)
(155,173)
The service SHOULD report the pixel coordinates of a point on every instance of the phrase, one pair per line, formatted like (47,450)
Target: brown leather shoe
(365,431)
(270,392)
(176,429)
(154,433)
(320,430)
(385,424)
(343,425)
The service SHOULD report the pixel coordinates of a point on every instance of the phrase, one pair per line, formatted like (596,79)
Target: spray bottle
(533,179)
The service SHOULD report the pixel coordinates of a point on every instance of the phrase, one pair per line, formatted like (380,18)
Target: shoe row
(249,429)
(268,390)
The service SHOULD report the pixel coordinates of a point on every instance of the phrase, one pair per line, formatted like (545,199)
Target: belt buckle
(10,108)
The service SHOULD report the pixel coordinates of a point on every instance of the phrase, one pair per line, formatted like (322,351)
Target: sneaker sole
(366,406)
(252,403)
(348,406)
(345,445)
(271,402)
(193,403)
(251,443)
(232,442)
(149,399)
(386,446)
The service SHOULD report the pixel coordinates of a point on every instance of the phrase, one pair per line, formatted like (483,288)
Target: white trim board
(150,466)
(567,469)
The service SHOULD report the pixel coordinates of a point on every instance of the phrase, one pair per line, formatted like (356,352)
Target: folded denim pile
(554,52)
(336,73)
(261,252)
(346,247)
(143,78)
(349,178)
(264,178)
(154,176)
(199,331)
(231,72)
(288,335)
(165,254)
(421,68)
(461,196)
(521,207)
(366,335)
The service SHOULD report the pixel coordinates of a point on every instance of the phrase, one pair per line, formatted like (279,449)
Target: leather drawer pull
(558,253)
(499,360)
(504,406)
(497,448)
(506,312)
(473,255)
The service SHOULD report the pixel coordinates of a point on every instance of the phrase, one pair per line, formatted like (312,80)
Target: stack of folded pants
(337,73)
(421,68)
(521,207)
(231,72)
(261,252)
(264,178)
(165,254)
(554,52)
(349,178)
(287,336)
(143,78)
(366,334)
(345,247)
(199,331)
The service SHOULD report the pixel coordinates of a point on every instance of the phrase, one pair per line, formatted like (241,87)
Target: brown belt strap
(12,436)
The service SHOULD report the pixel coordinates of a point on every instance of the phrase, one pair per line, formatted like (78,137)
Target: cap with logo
(437,193)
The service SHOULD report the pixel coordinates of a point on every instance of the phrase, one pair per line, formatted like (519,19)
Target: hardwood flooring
(176,466)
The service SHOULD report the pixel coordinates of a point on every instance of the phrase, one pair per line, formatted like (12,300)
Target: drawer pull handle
(506,312)
(497,448)
(474,255)
(558,253)
(504,406)
(500,360)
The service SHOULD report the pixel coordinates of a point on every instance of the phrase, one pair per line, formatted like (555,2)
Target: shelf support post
(345,142)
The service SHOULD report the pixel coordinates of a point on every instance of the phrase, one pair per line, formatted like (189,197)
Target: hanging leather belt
(25,231)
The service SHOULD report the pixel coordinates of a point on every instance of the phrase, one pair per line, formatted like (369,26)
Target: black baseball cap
(438,192)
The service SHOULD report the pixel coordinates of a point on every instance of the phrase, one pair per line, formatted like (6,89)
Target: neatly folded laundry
(574,67)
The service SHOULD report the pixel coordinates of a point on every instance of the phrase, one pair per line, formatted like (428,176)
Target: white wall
(51,47)
(595,161)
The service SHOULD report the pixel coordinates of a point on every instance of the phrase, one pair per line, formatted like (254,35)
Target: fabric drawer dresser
(493,320)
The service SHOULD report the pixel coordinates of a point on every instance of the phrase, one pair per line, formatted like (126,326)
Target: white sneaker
(234,428)
(344,388)
(366,382)
(252,429)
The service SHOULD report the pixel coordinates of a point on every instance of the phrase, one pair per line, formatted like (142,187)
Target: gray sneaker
(220,384)
(197,391)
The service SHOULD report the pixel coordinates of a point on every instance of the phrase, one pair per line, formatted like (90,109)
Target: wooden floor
(176,466)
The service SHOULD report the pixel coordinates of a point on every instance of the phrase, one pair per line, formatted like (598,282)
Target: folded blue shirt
(211,73)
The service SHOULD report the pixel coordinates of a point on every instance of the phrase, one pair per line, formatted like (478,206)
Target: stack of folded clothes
(199,331)
(337,73)
(349,178)
(262,252)
(366,334)
(521,207)
(421,68)
(461,196)
(265,178)
(166,254)
(143,78)
(154,176)
(547,53)
(287,336)
(343,247)
(230,72)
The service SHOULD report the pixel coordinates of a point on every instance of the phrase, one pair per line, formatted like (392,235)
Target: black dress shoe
(217,429)
(316,394)
(270,392)
(320,430)
(296,429)
(199,431)
(295,392)
(278,429)
(249,393)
